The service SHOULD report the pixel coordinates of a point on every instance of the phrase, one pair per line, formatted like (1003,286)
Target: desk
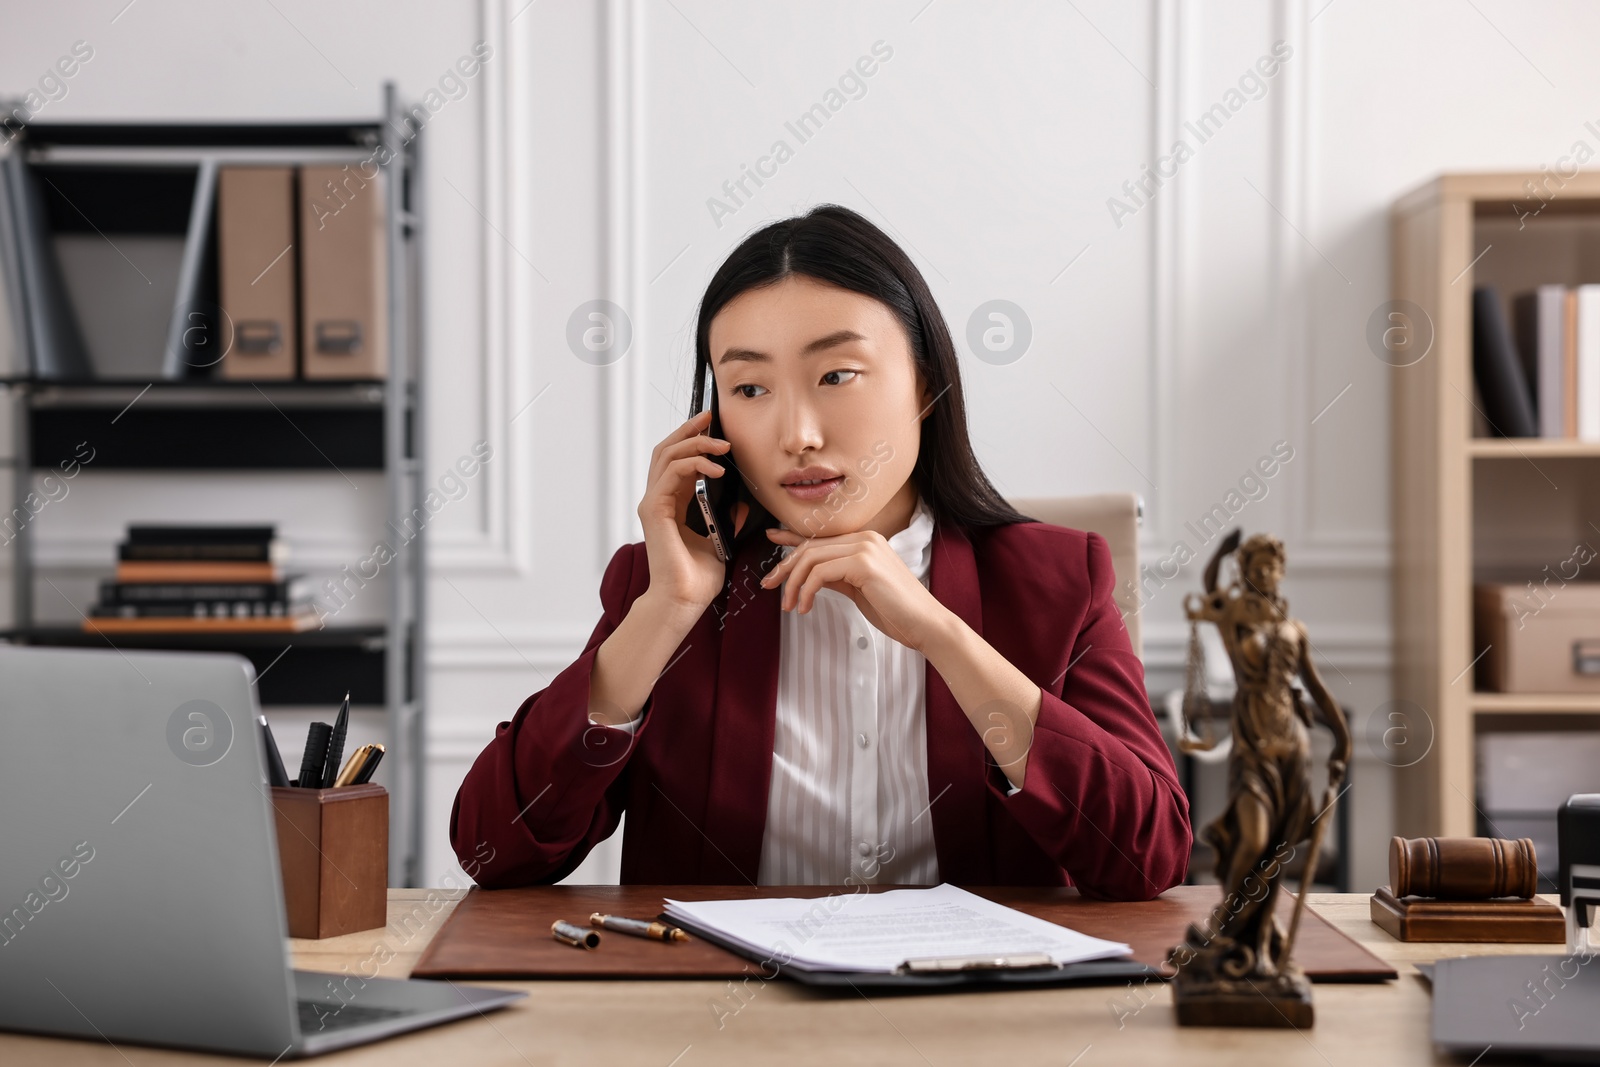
(672,1024)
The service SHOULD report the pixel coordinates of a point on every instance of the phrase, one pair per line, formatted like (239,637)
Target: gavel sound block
(1465,889)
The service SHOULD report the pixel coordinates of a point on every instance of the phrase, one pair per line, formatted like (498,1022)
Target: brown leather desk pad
(505,933)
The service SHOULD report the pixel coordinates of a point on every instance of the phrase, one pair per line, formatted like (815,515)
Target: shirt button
(864,848)
(861,642)
(865,741)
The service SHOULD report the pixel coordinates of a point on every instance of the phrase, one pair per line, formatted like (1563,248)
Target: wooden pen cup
(333,847)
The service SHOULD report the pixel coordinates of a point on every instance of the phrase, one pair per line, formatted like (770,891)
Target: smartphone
(711,511)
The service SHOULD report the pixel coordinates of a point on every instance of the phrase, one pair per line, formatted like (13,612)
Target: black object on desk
(276,774)
(315,756)
(1578,839)
(341,725)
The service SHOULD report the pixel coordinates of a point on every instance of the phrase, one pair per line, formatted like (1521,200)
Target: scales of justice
(1237,968)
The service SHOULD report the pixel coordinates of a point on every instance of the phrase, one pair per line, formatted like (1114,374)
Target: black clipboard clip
(944,964)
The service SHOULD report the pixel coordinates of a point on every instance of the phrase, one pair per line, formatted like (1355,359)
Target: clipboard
(933,973)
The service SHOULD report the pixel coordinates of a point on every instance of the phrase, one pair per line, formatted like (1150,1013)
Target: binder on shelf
(1504,389)
(194,336)
(344,274)
(55,344)
(1569,361)
(131,241)
(14,361)
(256,268)
(1588,351)
(1540,315)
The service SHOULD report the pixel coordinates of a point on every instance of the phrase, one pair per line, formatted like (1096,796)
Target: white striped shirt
(848,800)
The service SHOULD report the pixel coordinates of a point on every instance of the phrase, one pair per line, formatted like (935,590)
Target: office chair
(1114,516)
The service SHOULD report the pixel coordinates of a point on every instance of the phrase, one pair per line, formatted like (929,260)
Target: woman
(896,678)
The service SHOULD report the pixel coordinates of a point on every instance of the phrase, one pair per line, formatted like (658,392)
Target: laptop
(1528,1007)
(140,895)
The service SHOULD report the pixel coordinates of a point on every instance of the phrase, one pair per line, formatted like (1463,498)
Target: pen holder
(333,847)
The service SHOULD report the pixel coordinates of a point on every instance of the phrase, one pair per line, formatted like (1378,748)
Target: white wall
(1169,353)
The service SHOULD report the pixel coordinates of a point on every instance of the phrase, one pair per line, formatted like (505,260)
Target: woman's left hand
(864,568)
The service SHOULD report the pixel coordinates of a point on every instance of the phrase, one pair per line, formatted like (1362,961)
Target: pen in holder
(333,847)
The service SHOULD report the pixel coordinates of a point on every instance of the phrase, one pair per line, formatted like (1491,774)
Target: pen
(315,756)
(638,927)
(352,766)
(364,775)
(341,725)
(574,935)
(276,774)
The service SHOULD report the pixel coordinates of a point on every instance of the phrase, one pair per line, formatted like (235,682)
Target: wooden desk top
(691,1023)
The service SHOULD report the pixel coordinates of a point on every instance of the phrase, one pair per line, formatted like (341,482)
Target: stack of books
(202,578)
(1538,368)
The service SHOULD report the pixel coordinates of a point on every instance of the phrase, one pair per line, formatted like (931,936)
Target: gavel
(1463,868)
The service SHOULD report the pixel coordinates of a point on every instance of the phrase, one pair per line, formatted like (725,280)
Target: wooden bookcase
(1465,504)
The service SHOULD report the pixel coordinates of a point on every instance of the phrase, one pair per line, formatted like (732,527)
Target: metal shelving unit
(282,426)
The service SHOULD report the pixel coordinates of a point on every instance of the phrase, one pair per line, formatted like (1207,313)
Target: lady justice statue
(1237,971)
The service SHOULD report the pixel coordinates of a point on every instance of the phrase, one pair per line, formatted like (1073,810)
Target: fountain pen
(658,931)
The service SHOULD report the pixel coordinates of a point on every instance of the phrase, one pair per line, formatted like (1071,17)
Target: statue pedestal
(1282,1001)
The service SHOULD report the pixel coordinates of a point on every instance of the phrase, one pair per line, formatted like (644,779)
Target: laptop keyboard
(318,1016)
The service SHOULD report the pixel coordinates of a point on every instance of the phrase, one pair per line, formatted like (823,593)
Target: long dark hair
(836,245)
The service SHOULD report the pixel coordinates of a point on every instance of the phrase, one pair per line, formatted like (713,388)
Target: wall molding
(1318,557)
(1174,64)
(502,546)
(622,271)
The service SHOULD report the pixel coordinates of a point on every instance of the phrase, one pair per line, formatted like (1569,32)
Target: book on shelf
(202,609)
(1588,355)
(216,600)
(1540,322)
(239,544)
(1498,369)
(144,570)
(291,589)
(1553,348)
(193,576)
(194,554)
(281,625)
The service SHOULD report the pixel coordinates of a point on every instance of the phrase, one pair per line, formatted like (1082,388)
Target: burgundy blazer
(1100,806)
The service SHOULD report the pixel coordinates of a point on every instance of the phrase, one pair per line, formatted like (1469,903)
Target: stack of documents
(879,932)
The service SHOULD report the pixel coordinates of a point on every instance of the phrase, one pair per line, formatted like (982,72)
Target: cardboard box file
(1542,641)
(344,281)
(256,272)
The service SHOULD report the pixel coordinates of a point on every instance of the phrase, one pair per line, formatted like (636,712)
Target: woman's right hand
(684,568)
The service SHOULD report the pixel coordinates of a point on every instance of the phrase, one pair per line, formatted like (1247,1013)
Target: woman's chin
(809,522)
